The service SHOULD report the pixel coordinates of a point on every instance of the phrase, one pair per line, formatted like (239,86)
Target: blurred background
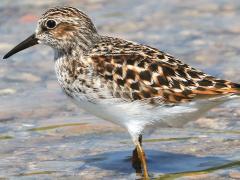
(44,136)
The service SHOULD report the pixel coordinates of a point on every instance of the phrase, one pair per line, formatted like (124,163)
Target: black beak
(30,41)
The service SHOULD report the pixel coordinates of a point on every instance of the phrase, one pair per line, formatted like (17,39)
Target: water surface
(44,136)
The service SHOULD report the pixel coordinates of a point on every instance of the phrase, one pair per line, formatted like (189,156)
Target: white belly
(136,115)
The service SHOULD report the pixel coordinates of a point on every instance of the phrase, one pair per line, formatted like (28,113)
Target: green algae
(45,128)
(37,173)
(200,172)
(169,139)
(5,137)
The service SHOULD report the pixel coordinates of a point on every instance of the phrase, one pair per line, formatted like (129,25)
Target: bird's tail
(219,87)
(236,87)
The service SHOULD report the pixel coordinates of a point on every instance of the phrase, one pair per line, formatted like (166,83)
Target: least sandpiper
(124,82)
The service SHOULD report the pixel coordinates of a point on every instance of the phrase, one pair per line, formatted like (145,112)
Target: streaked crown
(65,28)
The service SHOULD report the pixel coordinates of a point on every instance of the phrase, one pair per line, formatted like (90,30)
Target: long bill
(30,41)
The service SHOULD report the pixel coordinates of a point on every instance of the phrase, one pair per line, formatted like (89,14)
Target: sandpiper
(124,82)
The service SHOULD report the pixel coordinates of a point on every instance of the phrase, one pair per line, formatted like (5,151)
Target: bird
(130,84)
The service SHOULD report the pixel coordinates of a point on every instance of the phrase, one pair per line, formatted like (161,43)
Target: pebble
(7,91)
(234,174)
(6,117)
(28,18)
(5,46)
(24,77)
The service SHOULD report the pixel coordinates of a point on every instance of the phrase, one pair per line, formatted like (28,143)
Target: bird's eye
(51,24)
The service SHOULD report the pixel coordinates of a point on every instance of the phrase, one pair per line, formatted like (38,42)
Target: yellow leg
(141,155)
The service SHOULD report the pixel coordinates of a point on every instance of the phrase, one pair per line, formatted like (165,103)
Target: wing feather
(139,72)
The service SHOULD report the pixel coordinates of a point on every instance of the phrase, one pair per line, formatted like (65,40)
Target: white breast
(136,115)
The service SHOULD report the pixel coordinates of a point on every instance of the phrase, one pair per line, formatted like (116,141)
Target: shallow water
(44,136)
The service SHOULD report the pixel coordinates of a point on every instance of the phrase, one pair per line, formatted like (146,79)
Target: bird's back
(137,72)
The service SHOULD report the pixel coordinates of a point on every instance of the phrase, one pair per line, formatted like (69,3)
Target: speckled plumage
(130,84)
(136,72)
(96,70)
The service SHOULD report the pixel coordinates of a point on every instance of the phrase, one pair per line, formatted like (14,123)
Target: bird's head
(62,28)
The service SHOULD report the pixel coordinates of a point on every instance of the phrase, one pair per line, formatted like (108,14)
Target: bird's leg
(141,155)
(140,160)
(136,161)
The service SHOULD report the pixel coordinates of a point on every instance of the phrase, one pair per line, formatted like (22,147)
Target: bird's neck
(75,58)
(80,46)
(67,66)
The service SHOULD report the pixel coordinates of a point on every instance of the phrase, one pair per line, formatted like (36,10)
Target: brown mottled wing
(139,72)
